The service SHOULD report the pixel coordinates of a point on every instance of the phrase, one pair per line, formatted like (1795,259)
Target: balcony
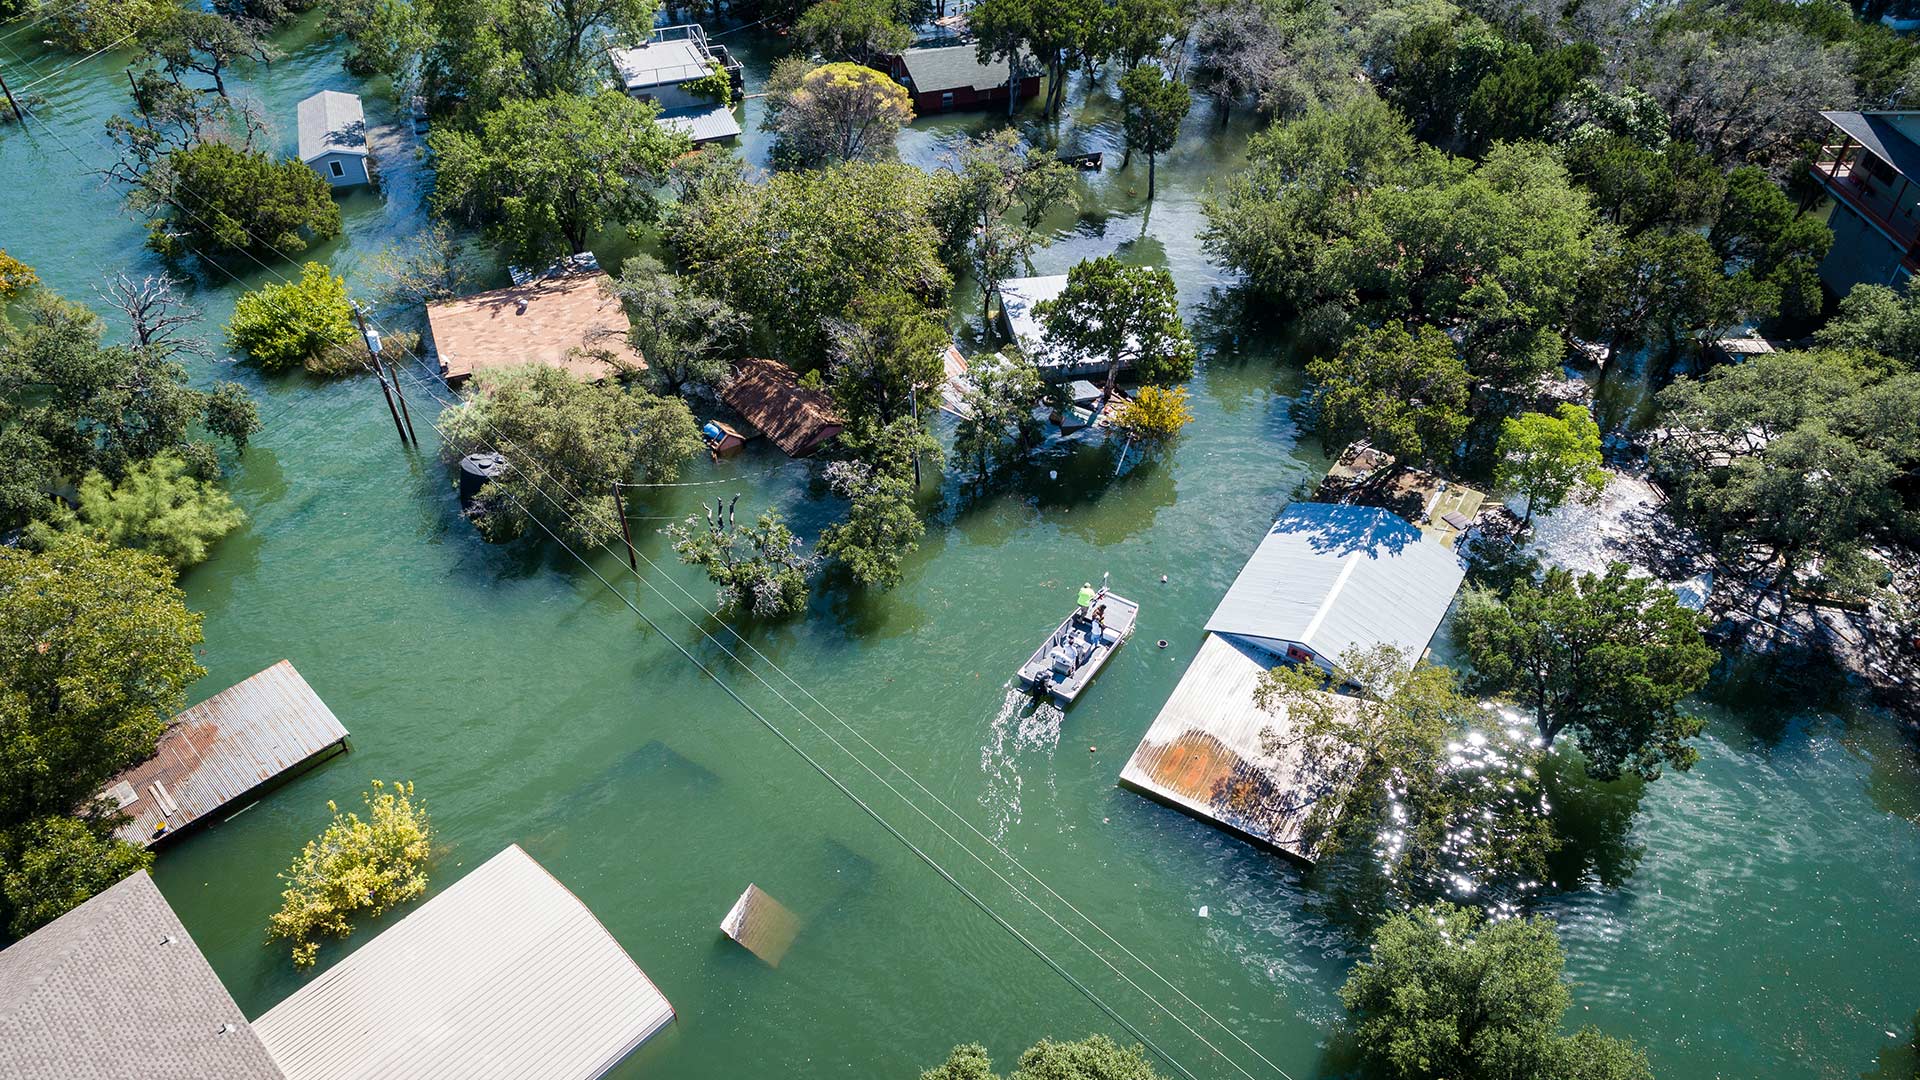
(1871,189)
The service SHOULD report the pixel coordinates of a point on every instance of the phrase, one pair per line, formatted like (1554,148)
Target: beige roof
(114,989)
(568,321)
(768,395)
(503,974)
(216,752)
(761,924)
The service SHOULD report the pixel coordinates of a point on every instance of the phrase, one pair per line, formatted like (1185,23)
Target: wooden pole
(626,530)
(141,105)
(19,113)
(913,399)
(404,414)
(374,364)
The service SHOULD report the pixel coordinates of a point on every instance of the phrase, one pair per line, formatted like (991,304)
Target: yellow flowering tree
(16,277)
(355,866)
(1155,415)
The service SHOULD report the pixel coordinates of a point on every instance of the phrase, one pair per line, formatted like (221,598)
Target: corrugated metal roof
(1333,577)
(504,974)
(1203,754)
(114,989)
(703,125)
(221,749)
(761,924)
(331,122)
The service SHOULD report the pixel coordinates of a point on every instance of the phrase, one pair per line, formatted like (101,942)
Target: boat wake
(1022,726)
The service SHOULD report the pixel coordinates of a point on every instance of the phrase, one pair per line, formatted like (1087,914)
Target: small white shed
(333,138)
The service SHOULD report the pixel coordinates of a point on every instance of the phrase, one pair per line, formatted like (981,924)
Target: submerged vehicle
(1068,660)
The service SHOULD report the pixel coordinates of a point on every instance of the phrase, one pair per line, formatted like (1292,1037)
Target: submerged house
(503,973)
(1876,208)
(673,69)
(1023,326)
(1325,579)
(229,746)
(567,319)
(952,77)
(768,395)
(333,138)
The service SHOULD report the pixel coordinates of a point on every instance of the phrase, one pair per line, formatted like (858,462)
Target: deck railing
(1838,170)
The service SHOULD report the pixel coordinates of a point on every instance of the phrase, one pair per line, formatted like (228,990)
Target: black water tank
(475,471)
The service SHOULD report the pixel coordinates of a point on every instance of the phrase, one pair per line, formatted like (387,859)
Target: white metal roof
(702,125)
(1333,577)
(1019,295)
(660,63)
(1204,753)
(332,123)
(504,974)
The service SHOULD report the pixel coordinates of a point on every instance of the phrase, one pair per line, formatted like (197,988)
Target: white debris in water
(1203,911)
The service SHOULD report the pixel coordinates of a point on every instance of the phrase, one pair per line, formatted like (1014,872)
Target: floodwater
(1756,917)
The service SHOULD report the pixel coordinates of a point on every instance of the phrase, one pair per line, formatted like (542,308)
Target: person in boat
(1099,623)
(1086,596)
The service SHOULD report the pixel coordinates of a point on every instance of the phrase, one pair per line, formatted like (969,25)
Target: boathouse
(222,750)
(116,987)
(333,138)
(668,69)
(567,319)
(768,395)
(952,77)
(504,973)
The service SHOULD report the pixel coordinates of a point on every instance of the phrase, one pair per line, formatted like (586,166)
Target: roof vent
(225,1029)
(523,305)
(167,940)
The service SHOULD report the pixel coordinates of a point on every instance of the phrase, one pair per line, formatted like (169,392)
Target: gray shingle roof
(332,123)
(952,68)
(1334,577)
(114,989)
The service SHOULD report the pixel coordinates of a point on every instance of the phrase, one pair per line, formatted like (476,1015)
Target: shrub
(1155,415)
(16,277)
(51,865)
(355,866)
(218,201)
(159,507)
(296,323)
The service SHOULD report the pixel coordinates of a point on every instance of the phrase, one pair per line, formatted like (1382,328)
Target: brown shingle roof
(568,322)
(768,395)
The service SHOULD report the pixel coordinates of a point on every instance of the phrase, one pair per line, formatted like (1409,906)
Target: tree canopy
(989,200)
(1407,393)
(1153,105)
(1549,459)
(1120,316)
(686,336)
(300,323)
(760,567)
(1096,1057)
(857,30)
(214,200)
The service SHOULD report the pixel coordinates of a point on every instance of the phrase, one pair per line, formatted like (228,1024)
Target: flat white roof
(1019,295)
(660,63)
(505,973)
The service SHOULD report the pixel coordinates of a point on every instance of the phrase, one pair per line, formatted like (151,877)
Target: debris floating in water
(1163,579)
(1203,911)
(1162,643)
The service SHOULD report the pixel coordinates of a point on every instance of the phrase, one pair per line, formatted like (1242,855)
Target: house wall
(1860,254)
(966,97)
(353,169)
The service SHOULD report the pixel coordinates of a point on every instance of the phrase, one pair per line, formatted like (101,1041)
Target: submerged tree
(758,567)
(833,113)
(1120,316)
(1550,458)
(997,422)
(685,336)
(858,30)
(1154,104)
(158,507)
(989,202)
(885,358)
(216,201)
(1608,658)
(356,867)
(1095,1057)
(1407,393)
(300,323)
(882,527)
(1155,417)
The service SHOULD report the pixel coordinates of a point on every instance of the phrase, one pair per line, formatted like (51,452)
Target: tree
(51,865)
(881,529)
(96,652)
(1637,188)
(1607,657)
(568,442)
(1155,416)
(997,425)
(685,335)
(1660,287)
(833,113)
(384,37)
(544,177)
(1745,98)
(1095,1057)
(1872,319)
(885,358)
(1760,228)
(1122,316)
(16,277)
(355,866)
(294,323)
(216,201)
(1445,993)
(1549,458)
(856,30)
(172,118)
(159,507)
(90,26)
(160,321)
(1049,31)
(1154,105)
(1395,774)
(1407,393)
(983,186)
(1132,31)
(759,567)
(205,43)
(428,266)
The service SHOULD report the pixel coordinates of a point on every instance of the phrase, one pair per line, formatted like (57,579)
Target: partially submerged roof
(1892,136)
(116,988)
(702,125)
(957,385)
(569,321)
(1204,753)
(216,752)
(1334,577)
(768,394)
(505,973)
(1018,297)
(952,68)
(761,924)
(331,122)
(660,63)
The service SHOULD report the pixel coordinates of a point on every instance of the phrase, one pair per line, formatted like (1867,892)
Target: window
(338,169)
(946,100)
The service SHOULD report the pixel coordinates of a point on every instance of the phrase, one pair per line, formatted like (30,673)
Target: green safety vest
(1086,595)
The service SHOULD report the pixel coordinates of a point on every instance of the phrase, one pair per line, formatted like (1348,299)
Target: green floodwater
(1760,918)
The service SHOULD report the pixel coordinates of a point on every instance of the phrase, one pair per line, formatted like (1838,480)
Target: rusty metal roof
(769,396)
(223,748)
(569,321)
(1204,753)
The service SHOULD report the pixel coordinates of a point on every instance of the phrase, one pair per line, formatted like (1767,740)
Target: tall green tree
(830,113)
(1051,32)
(1407,393)
(1761,229)
(1637,188)
(1879,320)
(1120,316)
(1549,459)
(1608,658)
(997,425)
(216,201)
(886,358)
(1134,31)
(1154,105)
(858,30)
(544,177)
(1664,288)
(881,528)
(685,336)
(192,42)
(989,202)
(1444,993)
(159,507)
(760,567)
(53,864)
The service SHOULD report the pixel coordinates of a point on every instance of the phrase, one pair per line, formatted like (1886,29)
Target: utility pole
(137,101)
(373,349)
(18,112)
(404,414)
(626,530)
(913,400)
